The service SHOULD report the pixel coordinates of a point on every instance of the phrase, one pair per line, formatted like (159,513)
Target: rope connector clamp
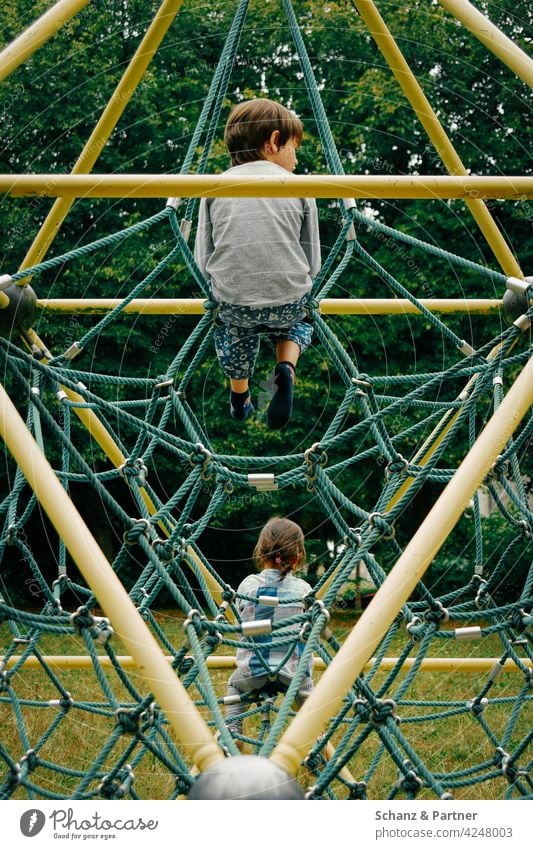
(164,383)
(263,482)
(72,352)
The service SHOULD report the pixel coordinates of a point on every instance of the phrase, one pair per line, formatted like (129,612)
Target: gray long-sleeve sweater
(258,251)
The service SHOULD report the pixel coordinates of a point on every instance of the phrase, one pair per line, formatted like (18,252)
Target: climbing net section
(364,749)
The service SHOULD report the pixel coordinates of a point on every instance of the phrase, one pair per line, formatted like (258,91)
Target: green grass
(444,744)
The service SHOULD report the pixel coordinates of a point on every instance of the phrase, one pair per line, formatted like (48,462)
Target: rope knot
(312,305)
(319,609)
(410,783)
(127,720)
(185,665)
(315,458)
(382,711)
(82,618)
(211,306)
(415,629)
(116,787)
(99,627)
(500,467)
(378,521)
(482,598)
(478,705)
(201,456)
(150,715)
(357,790)
(195,619)
(436,614)
(362,709)
(521,619)
(228,593)
(164,549)
(183,784)
(65,702)
(138,529)
(503,760)
(135,470)
(397,466)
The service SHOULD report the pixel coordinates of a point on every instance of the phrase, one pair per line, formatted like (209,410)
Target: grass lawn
(444,742)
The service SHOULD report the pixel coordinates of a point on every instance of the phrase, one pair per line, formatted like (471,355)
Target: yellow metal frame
(360,186)
(106,124)
(327,306)
(325,700)
(192,731)
(83,662)
(431,124)
(492,37)
(37,34)
(190,728)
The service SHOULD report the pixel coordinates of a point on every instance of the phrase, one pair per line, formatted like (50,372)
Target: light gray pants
(240,684)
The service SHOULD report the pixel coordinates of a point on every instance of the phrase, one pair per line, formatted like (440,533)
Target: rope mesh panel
(365,751)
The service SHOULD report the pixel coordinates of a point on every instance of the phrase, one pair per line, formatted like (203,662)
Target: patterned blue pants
(239,329)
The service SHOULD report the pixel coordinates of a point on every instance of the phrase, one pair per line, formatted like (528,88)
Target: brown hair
(281,545)
(252,122)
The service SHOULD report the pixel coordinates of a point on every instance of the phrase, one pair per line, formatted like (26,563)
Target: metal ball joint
(516,298)
(19,313)
(245,777)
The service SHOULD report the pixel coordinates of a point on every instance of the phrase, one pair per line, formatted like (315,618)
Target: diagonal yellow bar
(427,117)
(106,124)
(325,700)
(92,149)
(492,37)
(425,187)
(37,34)
(191,730)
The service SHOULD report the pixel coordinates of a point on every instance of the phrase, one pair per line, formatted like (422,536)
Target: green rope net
(98,732)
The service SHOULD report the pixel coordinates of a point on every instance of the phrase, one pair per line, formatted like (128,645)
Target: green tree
(51,103)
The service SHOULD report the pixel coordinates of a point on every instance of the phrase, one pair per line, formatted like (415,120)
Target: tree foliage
(50,104)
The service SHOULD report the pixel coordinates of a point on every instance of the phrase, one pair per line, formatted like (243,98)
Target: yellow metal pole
(492,37)
(432,187)
(109,446)
(95,144)
(37,34)
(83,662)
(375,621)
(106,124)
(328,306)
(439,432)
(190,728)
(427,117)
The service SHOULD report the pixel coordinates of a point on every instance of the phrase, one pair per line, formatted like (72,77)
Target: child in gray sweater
(260,255)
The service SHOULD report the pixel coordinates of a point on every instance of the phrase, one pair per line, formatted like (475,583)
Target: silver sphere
(245,777)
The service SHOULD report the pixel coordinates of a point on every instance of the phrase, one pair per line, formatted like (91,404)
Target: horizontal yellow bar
(429,664)
(217,185)
(328,306)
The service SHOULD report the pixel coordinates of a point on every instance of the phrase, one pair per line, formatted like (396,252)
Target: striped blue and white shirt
(259,587)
